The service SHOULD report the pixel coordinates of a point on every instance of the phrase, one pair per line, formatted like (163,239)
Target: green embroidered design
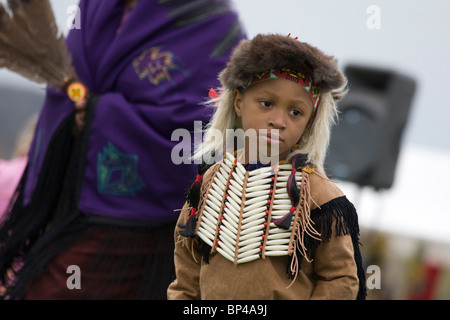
(117,172)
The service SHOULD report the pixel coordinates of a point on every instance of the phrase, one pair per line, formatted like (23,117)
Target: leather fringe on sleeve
(341,211)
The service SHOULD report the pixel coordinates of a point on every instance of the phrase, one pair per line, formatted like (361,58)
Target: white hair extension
(224,118)
(316,138)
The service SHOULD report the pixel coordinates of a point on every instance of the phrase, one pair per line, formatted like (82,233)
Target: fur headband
(265,52)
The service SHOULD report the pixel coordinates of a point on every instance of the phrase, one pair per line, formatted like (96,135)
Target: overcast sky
(408,36)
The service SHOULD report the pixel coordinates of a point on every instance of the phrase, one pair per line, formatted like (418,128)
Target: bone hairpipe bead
(254,211)
(236,177)
(210,214)
(256,199)
(235,184)
(205,233)
(230,226)
(260,176)
(212,198)
(260,171)
(249,247)
(207,222)
(276,242)
(228,218)
(281,196)
(228,162)
(205,238)
(251,240)
(273,225)
(226,237)
(208,227)
(281,190)
(223,176)
(276,230)
(248,253)
(284,173)
(248,259)
(217,188)
(210,211)
(224,229)
(216,195)
(225,254)
(231,202)
(258,188)
(234,196)
(255,205)
(252,223)
(240,168)
(255,194)
(278,213)
(278,235)
(258,182)
(275,253)
(230,215)
(250,235)
(225,167)
(281,207)
(252,229)
(236,191)
(239,174)
(254,217)
(212,205)
(282,178)
(230,157)
(227,246)
(277,248)
(282,201)
(219,183)
(231,211)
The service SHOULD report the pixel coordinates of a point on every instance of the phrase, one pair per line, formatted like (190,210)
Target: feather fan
(32,46)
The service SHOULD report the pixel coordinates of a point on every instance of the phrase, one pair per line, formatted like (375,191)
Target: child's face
(275,104)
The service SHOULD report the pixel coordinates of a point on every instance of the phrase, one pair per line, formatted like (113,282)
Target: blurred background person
(11,170)
(100,189)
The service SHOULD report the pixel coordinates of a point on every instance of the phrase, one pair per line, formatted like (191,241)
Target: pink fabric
(10,174)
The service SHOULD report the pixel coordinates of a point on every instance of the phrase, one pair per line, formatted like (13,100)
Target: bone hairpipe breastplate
(236,212)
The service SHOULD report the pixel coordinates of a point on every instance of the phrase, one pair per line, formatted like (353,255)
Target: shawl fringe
(28,231)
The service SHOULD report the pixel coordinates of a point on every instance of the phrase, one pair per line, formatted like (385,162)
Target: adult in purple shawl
(103,202)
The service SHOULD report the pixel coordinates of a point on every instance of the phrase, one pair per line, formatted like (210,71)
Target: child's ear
(238,102)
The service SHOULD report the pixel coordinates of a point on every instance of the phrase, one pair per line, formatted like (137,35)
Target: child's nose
(277,119)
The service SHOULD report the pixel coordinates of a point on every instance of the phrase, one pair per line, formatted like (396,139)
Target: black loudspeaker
(366,141)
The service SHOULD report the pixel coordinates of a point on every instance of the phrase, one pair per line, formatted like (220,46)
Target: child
(254,230)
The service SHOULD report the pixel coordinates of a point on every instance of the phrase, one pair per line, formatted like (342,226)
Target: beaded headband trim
(300,78)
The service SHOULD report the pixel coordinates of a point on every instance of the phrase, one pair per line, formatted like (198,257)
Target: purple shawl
(151,77)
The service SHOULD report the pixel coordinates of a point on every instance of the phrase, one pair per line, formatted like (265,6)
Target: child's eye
(295,112)
(266,104)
